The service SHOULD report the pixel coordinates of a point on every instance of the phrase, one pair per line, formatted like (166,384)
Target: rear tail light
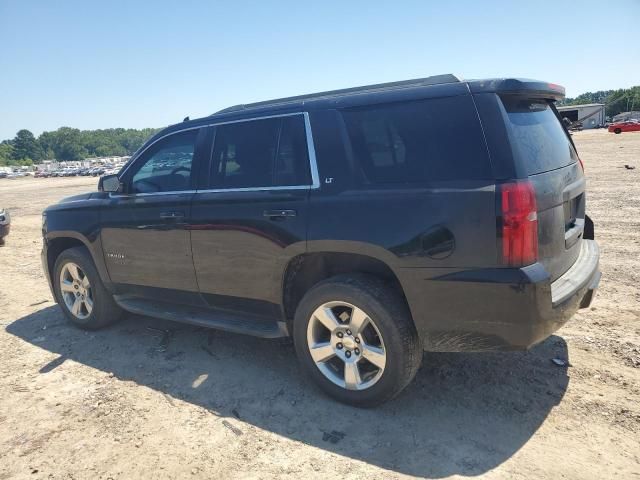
(581,164)
(517,223)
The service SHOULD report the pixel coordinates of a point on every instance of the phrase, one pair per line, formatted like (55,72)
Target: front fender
(71,224)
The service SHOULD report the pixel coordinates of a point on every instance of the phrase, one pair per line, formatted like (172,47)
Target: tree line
(616,101)
(67,144)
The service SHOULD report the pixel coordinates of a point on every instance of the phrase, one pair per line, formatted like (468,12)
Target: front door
(251,220)
(145,235)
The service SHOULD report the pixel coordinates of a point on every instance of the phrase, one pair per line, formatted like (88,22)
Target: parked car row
(12,175)
(64,172)
(72,172)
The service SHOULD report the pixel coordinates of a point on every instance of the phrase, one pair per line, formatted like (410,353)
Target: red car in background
(628,126)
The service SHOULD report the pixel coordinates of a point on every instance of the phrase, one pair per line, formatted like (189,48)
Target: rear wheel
(355,338)
(617,130)
(80,292)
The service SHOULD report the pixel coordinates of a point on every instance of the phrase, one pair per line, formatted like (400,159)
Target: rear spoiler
(532,88)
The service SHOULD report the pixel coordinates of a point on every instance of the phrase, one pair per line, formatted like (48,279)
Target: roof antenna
(186,119)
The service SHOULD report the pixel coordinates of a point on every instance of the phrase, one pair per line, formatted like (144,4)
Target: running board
(203,317)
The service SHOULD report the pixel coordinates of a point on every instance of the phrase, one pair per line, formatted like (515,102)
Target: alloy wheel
(76,290)
(346,345)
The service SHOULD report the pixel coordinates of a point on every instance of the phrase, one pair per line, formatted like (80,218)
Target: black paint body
(434,240)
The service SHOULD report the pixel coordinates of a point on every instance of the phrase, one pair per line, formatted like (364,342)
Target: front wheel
(80,292)
(355,338)
(617,131)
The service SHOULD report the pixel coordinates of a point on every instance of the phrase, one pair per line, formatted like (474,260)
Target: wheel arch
(306,270)
(58,242)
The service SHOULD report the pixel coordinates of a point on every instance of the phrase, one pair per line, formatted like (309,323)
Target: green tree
(110,150)
(68,145)
(25,146)
(73,144)
(6,153)
(47,141)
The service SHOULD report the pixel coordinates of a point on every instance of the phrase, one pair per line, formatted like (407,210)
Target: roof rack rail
(418,82)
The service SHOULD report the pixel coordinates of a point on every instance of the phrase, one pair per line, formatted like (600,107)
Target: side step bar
(218,319)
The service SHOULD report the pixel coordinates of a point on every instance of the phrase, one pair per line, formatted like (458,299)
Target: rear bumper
(4,230)
(579,283)
(499,309)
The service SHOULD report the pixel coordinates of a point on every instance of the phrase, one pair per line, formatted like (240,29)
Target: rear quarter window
(418,141)
(537,137)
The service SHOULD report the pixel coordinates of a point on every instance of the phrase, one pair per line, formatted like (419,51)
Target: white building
(591,114)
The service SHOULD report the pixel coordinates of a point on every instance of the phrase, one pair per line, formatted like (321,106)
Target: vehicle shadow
(464,414)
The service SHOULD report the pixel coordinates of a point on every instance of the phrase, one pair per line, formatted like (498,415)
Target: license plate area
(573,220)
(572,212)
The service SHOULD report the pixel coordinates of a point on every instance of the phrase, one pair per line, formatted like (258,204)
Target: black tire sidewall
(394,377)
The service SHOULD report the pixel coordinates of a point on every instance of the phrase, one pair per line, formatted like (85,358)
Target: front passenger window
(166,166)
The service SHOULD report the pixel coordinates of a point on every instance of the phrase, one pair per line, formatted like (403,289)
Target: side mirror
(109,183)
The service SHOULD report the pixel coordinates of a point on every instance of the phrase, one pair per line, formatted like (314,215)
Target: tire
(617,131)
(388,329)
(104,311)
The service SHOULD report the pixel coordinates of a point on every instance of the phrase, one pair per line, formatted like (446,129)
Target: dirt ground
(153,399)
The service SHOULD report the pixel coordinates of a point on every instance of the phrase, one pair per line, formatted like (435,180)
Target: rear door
(544,152)
(251,218)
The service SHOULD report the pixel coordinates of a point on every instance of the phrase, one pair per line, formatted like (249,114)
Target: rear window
(421,141)
(538,138)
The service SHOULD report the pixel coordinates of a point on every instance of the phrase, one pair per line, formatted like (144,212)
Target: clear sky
(102,64)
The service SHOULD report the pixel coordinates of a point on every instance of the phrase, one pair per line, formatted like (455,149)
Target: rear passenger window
(261,153)
(438,139)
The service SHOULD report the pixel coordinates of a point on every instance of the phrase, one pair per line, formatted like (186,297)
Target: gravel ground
(153,399)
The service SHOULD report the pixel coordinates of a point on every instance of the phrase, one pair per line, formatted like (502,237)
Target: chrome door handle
(172,215)
(279,213)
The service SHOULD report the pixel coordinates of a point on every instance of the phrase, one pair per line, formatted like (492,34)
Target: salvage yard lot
(154,399)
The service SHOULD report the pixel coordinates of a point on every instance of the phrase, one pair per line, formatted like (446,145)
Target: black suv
(368,224)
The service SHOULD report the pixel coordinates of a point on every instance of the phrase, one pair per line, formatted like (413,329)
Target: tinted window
(537,135)
(292,160)
(261,153)
(437,139)
(166,166)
